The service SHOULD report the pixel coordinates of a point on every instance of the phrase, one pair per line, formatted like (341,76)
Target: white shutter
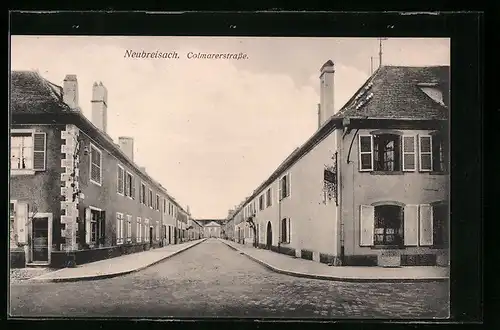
(409,153)
(121,227)
(368,152)
(426,225)
(366,225)
(21,221)
(87,225)
(411,225)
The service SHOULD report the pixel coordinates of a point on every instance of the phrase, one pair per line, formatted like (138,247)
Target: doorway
(150,236)
(169,235)
(41,238)
(269,238)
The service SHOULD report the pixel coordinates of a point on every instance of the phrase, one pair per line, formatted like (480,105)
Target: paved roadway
(211,280)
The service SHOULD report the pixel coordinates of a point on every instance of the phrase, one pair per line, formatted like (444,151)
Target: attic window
(433,91)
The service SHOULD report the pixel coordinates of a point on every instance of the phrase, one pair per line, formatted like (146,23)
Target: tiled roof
(393,92)
(31,93)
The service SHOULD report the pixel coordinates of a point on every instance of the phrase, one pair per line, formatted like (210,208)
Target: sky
(210,131)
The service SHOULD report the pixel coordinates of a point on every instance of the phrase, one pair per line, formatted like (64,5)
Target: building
(75,195)
(370,186)
(195,230)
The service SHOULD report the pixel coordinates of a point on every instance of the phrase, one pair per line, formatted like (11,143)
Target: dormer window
(433,91)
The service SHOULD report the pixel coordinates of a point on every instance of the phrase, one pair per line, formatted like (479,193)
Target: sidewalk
(122,265)
(284,264)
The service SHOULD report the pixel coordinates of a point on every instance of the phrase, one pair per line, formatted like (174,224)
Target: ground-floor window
(388,228)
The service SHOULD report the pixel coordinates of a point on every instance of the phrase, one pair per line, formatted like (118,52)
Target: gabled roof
(31,93)
(394,92)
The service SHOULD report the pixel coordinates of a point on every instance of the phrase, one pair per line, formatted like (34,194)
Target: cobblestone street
(211,280)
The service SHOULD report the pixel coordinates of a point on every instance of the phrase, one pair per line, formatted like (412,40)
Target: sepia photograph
(229,177)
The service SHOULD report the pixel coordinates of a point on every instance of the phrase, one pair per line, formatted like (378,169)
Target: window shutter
(411,225)
(103,225)
(39,151)
(367,224)
(279,190)
(365,148)
(21,221)
(127,185)
(425,152)
(87,225)
(409,152)
(426,225)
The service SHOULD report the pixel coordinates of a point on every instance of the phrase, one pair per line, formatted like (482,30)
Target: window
(388,228)
(268,197)
(409,153)
(119,228)
(164,231)
(285,230)
(150,198)
(95,165)
(157,231)
(164,206)
(95,222)
(432,153)
(440,224)
(129,186)
(386,152)
(121,180)
(143,193)
(12,223)
(284,186)
(139,230)
(129,228)
(261,202)
(157,204)
(27,151)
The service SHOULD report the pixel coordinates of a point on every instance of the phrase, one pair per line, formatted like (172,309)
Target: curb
(337,278)
(105,276)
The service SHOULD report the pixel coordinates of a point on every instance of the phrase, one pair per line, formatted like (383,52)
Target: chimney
(100,106)
(143,169)
(126,144)
(326,91)
(70,91)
